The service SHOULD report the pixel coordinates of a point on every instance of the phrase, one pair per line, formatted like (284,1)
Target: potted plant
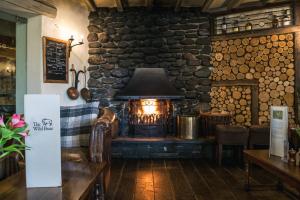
(12,134)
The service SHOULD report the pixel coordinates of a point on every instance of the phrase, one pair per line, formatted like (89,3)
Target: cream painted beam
(30,6)
(91,5)
(119,5)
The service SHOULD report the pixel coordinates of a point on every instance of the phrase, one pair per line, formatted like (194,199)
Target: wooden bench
(79,180)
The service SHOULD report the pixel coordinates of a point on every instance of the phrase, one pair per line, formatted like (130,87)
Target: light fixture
(70,41)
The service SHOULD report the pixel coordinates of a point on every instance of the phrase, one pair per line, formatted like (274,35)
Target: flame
(149,106)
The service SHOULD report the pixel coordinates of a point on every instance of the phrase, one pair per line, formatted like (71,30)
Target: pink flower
(24,134)
(2,121)
(17,122)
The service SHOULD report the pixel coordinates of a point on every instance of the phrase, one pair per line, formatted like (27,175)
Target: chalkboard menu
(55,53)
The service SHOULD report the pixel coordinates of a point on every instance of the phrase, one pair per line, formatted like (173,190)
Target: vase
(8,166)
(2,168)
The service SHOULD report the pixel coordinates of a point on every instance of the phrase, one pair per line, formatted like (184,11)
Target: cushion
(76,123)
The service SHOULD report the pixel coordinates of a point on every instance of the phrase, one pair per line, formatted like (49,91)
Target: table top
(274,163)
(215,114)
(78,177)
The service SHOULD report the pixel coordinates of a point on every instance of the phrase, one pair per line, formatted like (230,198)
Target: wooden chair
(259,136)
(230,135)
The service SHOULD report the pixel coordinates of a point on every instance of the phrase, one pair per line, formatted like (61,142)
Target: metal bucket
(187,126)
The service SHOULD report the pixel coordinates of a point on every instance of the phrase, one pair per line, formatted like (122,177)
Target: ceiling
(211,6)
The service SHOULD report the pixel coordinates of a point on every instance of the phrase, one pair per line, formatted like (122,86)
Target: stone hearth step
(169,147)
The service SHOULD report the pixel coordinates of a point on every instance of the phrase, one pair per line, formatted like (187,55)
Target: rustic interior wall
(267,59)
(119,42)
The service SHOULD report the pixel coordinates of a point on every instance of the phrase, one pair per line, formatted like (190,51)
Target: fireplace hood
(149,83)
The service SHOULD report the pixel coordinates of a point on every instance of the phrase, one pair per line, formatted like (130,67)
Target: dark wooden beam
(248,7)
(296,6)
(207,5)
(30,6)
(149,4)
(257,33)
(178,5)
(91,5)
(233,4)
(119,5)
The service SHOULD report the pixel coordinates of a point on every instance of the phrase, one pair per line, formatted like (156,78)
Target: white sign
(43,159)
(279,131)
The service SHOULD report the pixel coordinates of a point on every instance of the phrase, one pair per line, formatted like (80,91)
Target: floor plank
(117,169)
(197,182)
(185,180)
(163,189)
(126,188)
(181,188)
(144,187)
(221,191)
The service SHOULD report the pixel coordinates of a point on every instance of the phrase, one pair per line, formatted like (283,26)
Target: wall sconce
(70,41)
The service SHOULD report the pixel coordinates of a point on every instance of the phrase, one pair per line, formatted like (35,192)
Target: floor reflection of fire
(148,114)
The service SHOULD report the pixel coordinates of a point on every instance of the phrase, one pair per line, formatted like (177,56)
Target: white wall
(71,19)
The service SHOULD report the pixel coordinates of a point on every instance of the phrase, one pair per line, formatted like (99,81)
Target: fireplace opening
(149,117)
(149,93)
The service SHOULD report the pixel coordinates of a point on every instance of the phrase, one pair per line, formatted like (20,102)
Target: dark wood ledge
(78,178)
(257,33)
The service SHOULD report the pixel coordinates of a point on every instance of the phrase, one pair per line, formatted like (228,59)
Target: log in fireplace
(149,93)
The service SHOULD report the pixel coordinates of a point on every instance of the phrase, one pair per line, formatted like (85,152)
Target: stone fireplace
(120,42)
(149,93)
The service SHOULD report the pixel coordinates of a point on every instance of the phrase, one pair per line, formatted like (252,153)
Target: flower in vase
(17,122)
(2,122)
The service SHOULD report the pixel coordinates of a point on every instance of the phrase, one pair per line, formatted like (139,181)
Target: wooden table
(285,172)
(209,120)
(79,177)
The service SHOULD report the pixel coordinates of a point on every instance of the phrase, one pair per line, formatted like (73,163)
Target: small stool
(230,135)
(259,136)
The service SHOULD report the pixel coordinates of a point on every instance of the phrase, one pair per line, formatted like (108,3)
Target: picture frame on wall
(55,60)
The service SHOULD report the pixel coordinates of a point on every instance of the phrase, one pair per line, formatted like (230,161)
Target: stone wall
(119,42)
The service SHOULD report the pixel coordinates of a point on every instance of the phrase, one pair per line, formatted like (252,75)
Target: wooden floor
(184,180)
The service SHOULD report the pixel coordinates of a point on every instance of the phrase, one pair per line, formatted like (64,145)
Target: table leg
(248,169)
(279,185)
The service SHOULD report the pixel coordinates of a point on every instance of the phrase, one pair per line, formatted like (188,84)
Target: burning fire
(149,106)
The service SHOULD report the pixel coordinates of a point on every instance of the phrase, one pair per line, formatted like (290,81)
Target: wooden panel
(31,6)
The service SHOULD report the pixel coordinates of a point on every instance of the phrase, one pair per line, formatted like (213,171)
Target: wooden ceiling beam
(149,4)
(178,5)
(33,6)
(119,5)
(91,5)
(207,5)
(233,4)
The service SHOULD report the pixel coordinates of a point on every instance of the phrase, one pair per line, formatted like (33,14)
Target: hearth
(149,93)
(149,117)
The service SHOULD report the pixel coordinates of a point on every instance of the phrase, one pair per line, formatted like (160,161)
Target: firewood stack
(267,59)
(236,100)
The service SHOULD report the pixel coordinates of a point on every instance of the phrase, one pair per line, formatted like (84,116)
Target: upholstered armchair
(105,127)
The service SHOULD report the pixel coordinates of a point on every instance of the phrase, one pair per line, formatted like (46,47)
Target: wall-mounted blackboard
(55,53)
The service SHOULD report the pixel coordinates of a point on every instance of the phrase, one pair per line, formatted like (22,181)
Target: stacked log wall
(267,59)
